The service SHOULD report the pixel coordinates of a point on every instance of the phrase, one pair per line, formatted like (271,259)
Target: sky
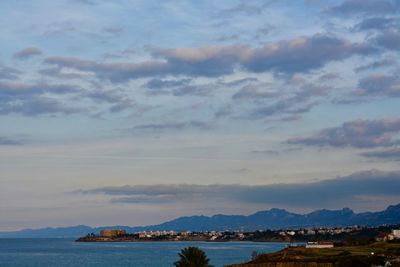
(131,112)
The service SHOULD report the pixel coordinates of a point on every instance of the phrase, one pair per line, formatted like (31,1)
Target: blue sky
(134,112)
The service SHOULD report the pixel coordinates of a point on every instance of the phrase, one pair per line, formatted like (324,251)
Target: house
(292,233)
(381,237)
(396,233)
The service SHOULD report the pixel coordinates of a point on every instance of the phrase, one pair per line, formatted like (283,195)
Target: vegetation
(376,254)
(192,257)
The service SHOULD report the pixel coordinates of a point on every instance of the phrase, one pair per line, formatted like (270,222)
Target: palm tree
(192,257)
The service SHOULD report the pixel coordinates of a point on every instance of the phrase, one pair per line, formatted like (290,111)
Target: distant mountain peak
(394,207)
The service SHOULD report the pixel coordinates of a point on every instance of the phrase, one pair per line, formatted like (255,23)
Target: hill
(376,254)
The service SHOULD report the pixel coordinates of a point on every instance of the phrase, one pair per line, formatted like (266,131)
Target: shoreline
(188,241)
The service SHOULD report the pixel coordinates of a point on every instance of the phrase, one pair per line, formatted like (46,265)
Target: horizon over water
(65,252)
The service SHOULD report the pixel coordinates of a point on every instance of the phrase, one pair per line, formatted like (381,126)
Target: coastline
(187,240)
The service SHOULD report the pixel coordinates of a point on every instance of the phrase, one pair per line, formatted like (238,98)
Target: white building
(396,233)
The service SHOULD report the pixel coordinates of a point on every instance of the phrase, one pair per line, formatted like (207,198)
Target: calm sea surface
(66,252)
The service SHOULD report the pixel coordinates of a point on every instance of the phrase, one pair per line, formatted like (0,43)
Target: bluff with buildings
(315,237)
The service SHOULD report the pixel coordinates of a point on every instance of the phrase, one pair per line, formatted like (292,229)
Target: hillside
(360,256)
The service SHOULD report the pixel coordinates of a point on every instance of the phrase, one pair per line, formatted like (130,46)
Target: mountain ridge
(267,219)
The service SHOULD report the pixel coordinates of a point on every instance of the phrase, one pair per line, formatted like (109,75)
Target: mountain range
(268,219)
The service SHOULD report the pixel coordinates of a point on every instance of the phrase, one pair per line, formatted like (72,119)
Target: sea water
(66,252)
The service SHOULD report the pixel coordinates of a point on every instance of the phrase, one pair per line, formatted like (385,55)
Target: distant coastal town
(356,235)
(316,247)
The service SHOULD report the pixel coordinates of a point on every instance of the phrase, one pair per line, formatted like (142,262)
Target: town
(356,235)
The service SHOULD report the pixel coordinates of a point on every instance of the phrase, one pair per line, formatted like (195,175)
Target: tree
(192,257)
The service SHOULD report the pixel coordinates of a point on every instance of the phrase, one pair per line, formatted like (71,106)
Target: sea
(67,253)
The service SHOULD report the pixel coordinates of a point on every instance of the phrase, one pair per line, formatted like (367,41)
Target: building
(396,233)
(292,233)
(321,244)
(112,232)
(310,232)
(382,237)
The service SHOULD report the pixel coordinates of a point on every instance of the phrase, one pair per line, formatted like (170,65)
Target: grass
(339,256)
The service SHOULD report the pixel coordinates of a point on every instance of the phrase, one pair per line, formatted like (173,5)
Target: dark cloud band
(343,189)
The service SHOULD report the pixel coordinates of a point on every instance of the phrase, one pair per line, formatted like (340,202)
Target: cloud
(337,191)
(43,98)
(300,99)
(251,92)
(13,91)
(365,7)
(174,62)
(377,23)
(5,141)
(386,154)
(294,97)
(269,152)
(238,82)
(28,53)
(288,57)
(118,100)
(63,74)
(227,38)
(113,30)
(210,61)
(329,77)
(265,30)
(282,107)
(302,54)
(382,63)
(37,106)
(180,87)
(161,84)
(291,118)
(15,88)
(224,111)
(265,152)
(171,126)
(243,8)
(193,90)
(389,39)
(86,2)
(120,53)
(60,28)
(358,133)
(34,99)
(379,85)
(8,73)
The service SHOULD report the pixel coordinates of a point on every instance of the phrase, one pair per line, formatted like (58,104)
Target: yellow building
(112,232)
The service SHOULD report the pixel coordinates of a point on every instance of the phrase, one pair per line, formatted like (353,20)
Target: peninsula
(355,235)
